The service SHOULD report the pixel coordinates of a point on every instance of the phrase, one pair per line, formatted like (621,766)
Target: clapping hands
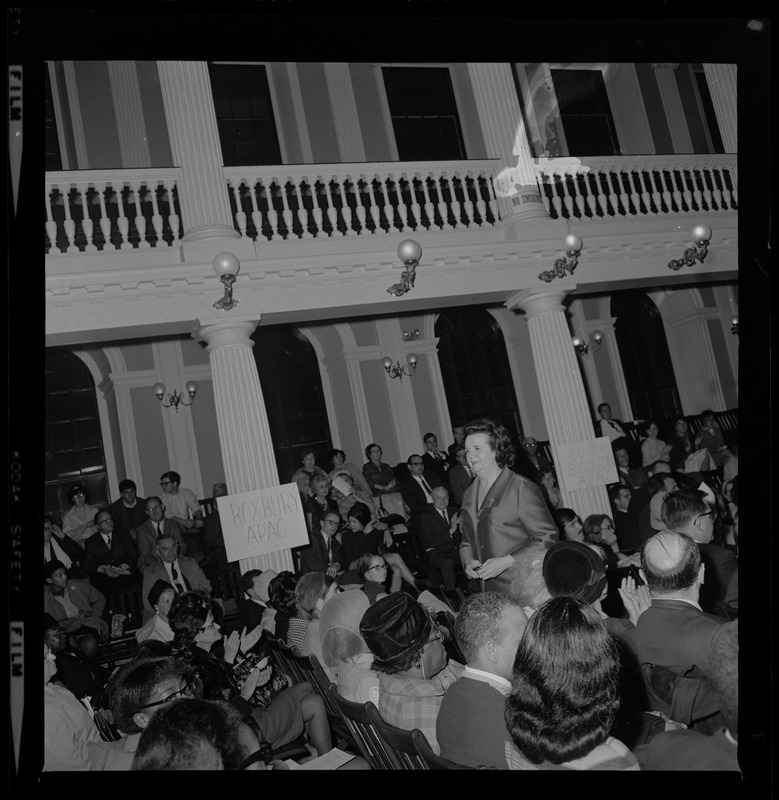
(636,599)
(248,640)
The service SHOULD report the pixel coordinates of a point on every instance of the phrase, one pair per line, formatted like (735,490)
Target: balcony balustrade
(331,200)
(625,186)
(91,211)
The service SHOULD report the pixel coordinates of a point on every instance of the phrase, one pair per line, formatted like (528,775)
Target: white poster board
(262,521)
(582,465)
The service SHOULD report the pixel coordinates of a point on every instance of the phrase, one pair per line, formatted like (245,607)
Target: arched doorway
(292,389)
(646,362)
(74,440)
(475,368)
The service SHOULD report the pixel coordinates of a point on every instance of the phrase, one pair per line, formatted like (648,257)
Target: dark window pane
(59,407)
(84,404)
(424,113)
(63,436)
(244,113)
(91,459)
(68,465)
(88,432)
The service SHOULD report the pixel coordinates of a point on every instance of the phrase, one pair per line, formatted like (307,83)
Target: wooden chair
(287,660)
(320,680)
(398,741)
(429,756)
(208,505)
(364,733)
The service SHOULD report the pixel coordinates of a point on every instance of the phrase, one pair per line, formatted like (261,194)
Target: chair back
(398,741)
(320,680)
(288,661)
(364,733)
(429,756)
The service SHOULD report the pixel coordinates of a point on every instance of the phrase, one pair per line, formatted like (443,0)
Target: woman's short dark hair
(364,563)
(563,516)
(77,488)
(336,452)
(369,448)
(499,439)
(172,476)
(305,451)
(281,593)
(361,513)
(645,426)
(564,684)
(592,527)
(706,413)
(192,734)
(544,471)
(188,614)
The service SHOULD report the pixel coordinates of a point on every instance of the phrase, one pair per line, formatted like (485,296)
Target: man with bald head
(674,631)
(470,727)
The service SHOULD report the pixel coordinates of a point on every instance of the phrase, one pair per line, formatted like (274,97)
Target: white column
(244,434)
(560,384)
(583,328)
(347,122)
(353,357)
(429,349)
(721,79)
(194,142)
(617,372)
(505,137)
(672,104)
(128,109)
(123,383)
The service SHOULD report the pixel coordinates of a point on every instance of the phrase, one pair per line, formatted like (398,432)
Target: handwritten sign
(582,465)
(262,521)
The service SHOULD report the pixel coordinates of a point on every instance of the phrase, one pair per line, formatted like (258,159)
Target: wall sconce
(573,245)
(176,399)
(581,347)
(226,266)
(700,234)
(409,252)
(397,370)
(734,325)
(410,336)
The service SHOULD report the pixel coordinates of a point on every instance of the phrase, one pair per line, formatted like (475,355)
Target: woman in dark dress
(379,475)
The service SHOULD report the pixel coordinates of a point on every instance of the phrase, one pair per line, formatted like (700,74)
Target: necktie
(442,512)
(329,550)
(176,585)
(159,530)
(108,541)
(470,473)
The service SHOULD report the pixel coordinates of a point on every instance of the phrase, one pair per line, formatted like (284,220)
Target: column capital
(540,301)
(225,333)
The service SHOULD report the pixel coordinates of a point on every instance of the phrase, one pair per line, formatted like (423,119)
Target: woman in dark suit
(502,512)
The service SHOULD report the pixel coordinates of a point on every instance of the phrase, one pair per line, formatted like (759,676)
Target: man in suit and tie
(460,476)
(440,536)
(152,530)
(324,553)
(110,555)
(685,511)
(417,488)
(181,572)
(632,478)
(435,460)
(606,426)
(674,631)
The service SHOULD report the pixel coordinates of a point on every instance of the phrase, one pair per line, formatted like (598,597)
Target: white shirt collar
(498,682)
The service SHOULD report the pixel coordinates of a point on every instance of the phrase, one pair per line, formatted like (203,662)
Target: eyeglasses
(79,494)
(165,483)
(376,566)
(529,444)
(187,691)
(105,522)
(264,754)
(208,627)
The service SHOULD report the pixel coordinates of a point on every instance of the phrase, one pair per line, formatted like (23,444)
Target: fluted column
(194,142)
(128,109)
(560,383)
(244,434)
(347,122)
(672,104)
(722,82)
(505,137)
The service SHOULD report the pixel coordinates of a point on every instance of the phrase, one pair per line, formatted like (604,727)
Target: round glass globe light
(409,250)
(226,264)
(572,243)
(701,233)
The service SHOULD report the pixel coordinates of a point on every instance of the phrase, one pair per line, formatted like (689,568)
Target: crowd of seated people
(548,672)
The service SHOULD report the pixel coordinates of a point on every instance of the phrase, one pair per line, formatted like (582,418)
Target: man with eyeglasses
(686,511)
(417,488)
(110,555)
(181,572)
(137,691)
(325,553)
(411,661)
(153,529)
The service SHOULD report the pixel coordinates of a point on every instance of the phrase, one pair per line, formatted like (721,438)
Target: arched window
(646,362)
(475,368)
(292,389)
(74,441)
